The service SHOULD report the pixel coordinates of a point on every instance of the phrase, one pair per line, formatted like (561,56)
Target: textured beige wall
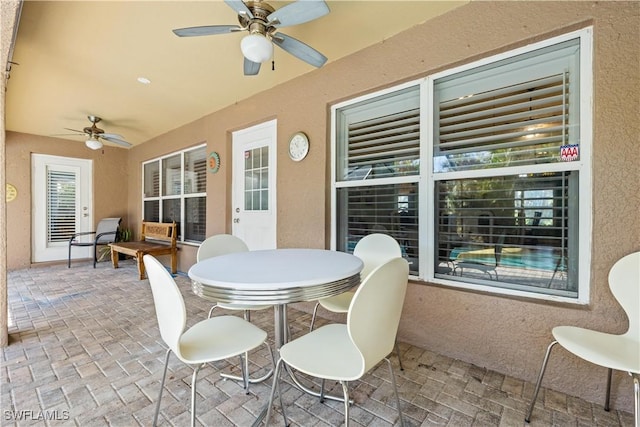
(505,334)
(109,186)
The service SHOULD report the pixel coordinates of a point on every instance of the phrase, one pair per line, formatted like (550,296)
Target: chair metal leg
(399,358)
(606,399)
(244,369)
(540,375)
(322,390)
(395,390)
(345,391)
(193,394)
(636,395)
(95,254)
(313,317)
(164,376)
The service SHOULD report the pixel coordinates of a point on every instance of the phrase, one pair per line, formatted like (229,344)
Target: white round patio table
(276,276)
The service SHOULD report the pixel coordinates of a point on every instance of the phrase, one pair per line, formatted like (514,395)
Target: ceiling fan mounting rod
(260,10)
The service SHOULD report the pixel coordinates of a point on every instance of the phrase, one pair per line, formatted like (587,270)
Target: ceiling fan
(262,21)
(97,135)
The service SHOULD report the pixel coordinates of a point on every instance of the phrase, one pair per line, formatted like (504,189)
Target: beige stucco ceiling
(75,58)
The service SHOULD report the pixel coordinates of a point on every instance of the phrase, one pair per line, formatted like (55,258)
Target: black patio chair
(106,232)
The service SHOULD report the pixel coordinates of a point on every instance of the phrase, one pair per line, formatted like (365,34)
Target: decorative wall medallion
(12,192)
(214,162)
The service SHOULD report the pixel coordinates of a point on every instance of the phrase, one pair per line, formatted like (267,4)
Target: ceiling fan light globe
(256,48)
(93,143)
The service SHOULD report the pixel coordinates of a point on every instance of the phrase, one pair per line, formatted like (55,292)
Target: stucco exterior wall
(508,335)
(109,186)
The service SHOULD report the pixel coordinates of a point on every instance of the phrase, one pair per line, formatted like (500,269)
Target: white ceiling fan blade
(111,135)
(206,30)
(239,7)
(299,50)
(298,12)
(75,130)
(251,68)
(116,139)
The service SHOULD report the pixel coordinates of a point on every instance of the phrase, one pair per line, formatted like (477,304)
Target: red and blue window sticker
(569,153)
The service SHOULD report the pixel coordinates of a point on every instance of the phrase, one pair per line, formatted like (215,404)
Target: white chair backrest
(107,225)
(170,308)
(624,281)
(374,314)
(220,244)
(376,249)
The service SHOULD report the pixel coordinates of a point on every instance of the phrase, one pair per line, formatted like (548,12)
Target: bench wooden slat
(154,234)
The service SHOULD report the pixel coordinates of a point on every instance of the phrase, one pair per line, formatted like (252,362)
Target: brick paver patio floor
(85,351)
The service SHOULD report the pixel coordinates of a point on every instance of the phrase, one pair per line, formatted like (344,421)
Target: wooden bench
(158,238)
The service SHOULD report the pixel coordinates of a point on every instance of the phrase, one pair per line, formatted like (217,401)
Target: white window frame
(427,179)
(182,196)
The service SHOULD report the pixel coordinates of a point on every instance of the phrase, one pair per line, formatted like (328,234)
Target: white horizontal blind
(379,137)
(61,205)
(512,113)
(511,126)
(384,147)
(388,209)
(195,167)
(517,223)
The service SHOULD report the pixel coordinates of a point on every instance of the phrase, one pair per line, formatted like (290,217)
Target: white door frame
(41,249)
(257,227)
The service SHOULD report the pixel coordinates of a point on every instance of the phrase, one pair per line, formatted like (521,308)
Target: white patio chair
(619,352)
(374,250)
(345,352)
(209,340)
(222,244)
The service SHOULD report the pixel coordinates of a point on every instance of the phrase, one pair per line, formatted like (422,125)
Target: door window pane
(256,179)
(61,205)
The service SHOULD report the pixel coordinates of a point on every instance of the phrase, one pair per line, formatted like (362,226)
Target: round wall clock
(298,146)
(12,193)
(214,162)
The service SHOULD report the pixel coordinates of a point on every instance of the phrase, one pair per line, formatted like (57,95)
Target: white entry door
(62,202)
(254,185)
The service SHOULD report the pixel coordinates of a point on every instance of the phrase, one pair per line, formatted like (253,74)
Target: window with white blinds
(380,138)
(61,205)
(511,113)
(501,201)
(174,189)
(515,230)
(506,162)
(519,125)
(377,169)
